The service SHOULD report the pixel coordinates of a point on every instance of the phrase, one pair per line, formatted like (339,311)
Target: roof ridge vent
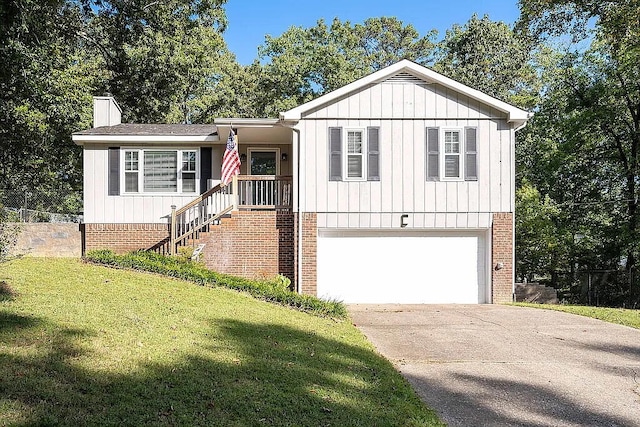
(405,78)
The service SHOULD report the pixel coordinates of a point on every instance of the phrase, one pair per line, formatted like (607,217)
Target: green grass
(89,345)
(620,316)
(269,290)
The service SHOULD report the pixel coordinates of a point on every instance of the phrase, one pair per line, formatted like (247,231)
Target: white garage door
(407,268)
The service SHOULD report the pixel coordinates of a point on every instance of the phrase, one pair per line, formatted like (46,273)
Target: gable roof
(515,115)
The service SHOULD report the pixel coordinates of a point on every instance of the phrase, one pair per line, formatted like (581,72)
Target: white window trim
(461,153)
(345,154)
(141,151)
(251,150)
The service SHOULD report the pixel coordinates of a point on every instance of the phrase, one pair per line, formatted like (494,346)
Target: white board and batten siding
(99,207)
(403,111)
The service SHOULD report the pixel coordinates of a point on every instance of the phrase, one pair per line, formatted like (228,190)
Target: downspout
(513,203)
(297,210)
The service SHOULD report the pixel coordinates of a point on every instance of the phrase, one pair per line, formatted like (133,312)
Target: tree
(162,57)
(490,57)
(302,64)
(537,236)
(162,61)
(45,91)
(602,101)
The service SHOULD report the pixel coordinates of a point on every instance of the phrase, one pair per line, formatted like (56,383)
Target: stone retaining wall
(43,239)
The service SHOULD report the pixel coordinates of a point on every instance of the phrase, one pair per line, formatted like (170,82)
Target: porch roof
(138,132)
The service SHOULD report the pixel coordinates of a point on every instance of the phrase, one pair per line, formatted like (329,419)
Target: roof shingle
(152,130)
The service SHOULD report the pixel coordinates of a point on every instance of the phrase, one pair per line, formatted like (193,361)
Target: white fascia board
(515,114)
(108,139)
(246,122)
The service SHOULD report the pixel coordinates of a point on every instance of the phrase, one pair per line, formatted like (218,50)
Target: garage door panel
(396,268)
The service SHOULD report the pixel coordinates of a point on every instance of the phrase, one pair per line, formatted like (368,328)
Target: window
(158,171)
(357,154)
(355,159)
(188,171)
(445,158)
(451,154)
(131,171)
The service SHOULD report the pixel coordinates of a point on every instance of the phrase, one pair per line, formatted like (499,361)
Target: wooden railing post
(172,236)
(235,196)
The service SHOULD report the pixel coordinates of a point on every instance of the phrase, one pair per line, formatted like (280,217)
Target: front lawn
(88,345)
(620,316)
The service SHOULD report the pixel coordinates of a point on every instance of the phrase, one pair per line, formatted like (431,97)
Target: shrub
(8,232)
(275,290)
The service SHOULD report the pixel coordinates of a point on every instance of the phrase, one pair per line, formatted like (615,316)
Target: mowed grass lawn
(88,345)
(621,316)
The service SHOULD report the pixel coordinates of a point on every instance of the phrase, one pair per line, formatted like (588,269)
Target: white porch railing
(245,192)
(264,192)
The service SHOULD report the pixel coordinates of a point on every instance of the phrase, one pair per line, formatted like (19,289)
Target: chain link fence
(31,205)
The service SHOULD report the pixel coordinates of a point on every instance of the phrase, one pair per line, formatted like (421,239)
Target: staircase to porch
(246,192)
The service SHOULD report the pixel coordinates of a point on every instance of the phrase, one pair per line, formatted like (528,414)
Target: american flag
(230,160)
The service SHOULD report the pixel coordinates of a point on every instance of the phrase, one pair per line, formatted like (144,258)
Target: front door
(264,161)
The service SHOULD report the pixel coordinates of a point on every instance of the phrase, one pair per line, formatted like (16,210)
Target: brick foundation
(252,244)
(502,253)
(122,238)
(309,252)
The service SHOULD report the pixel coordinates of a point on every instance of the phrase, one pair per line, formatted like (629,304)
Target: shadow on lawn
(274,375)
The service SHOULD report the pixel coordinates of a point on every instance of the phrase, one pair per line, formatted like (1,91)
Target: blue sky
(251,20)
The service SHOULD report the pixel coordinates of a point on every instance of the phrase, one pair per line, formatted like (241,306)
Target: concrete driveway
(492,365)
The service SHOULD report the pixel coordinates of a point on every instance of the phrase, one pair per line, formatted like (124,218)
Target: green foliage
(469,55)
(304,63)
(538,242)
(589,126)
(281,283)
(46,82)
(162,61)
(8,233)
(273,291)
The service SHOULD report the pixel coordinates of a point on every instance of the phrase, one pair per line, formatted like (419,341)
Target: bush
(276,290)
(8,233)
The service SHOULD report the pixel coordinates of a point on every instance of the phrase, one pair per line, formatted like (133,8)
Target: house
(396,188)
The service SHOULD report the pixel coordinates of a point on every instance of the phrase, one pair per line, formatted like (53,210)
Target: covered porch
(265,182)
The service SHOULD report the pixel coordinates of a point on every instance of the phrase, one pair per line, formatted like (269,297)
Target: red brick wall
(502,253)
(309,252)
(122,238)
(251,244)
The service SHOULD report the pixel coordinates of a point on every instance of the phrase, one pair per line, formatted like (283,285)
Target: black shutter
(205,168)
(471,154)
(114,171)
(335,154)
(373,149)
(433,154)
